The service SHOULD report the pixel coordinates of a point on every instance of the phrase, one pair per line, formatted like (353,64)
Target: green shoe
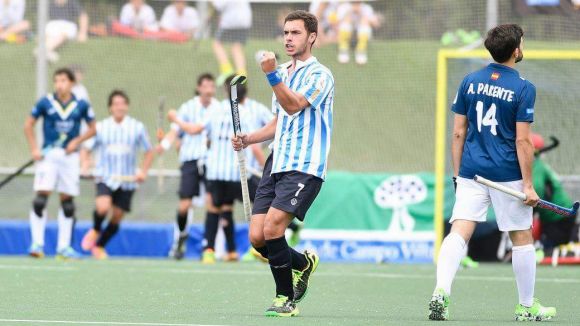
(540,255)
(282,307)
(439,305)
(467,262)
(295,238)
(300,278)
(536,312)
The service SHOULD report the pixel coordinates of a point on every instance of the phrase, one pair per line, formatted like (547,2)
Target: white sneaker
(343,57)
(361,58)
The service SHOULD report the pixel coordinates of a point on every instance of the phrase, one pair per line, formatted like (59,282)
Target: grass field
(138,292)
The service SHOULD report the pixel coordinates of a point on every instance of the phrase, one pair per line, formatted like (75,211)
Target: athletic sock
(524,265)
(107,235)
(98,221)
(211,228)
(299,261)
(263,251)
(293,226)
(364,34)
(280,260)
(450,255)
(65,229)
(37,227)
(181,221)
(344,36)
(229,231)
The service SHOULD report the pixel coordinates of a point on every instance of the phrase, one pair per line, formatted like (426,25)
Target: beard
(520,56)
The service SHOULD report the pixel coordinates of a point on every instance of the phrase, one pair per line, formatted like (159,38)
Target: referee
(294,172)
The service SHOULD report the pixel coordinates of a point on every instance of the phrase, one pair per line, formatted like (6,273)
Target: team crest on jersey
(495,76)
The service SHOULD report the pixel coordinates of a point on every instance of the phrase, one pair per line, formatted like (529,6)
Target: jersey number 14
(488,120)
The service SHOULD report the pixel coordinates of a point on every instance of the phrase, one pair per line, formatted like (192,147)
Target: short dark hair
(310,21)
(501,41)
(67,72)
(120,93)
(242,89)
(203,77)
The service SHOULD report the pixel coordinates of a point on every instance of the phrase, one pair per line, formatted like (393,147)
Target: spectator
(326,12)
(180,18)
(359,17)
(139,16)
(62,26)
(234,26)
(12,23)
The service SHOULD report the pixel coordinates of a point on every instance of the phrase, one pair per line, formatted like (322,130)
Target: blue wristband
(274,78)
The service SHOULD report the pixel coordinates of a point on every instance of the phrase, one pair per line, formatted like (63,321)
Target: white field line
(75,322)
(323,274)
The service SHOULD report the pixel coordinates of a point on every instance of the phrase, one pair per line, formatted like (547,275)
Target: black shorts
(191,179)
(292,192)
(121,198)
(226,192)
(232,35)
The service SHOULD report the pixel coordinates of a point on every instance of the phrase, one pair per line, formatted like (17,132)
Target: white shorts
(62,27)
(58,171)
(472,201)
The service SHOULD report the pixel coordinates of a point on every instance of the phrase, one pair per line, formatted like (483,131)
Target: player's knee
(68,207)
(257,238)
(274,228)
(39,203)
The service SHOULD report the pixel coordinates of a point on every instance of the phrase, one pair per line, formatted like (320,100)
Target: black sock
(98,221)
(263,251)
(299,261)
(109,232)
(181,221)
(281,265)
(293,226)
(211,228)
(229,231)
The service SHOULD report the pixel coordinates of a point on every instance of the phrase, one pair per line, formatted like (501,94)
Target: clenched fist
(172,115)
(268,62)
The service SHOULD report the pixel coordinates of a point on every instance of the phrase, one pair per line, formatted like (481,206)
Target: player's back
(494,99)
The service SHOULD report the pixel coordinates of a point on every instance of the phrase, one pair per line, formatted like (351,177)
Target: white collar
(122,123)
(300,64)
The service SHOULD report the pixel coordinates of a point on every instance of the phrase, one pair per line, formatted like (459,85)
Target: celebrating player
(192,153)
(118,139)
(294,172)
(494,109)
(59,168)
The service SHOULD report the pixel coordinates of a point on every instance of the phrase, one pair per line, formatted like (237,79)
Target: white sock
(65,229)
(37,227)
(524,265)
(450,255)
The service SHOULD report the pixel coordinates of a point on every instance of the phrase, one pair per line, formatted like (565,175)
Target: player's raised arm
(292,102)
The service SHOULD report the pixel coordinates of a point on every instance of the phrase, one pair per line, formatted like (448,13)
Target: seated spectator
(138,21)
(359,17)
(12,24)
(326,12)
(62,25)
(180,18)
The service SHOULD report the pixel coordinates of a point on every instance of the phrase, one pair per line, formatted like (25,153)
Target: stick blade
(238,80)
(575,208)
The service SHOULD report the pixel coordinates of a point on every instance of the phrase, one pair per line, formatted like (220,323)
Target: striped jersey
(259,116)
(302,140)
(116,146)
(194,147)
(222,161)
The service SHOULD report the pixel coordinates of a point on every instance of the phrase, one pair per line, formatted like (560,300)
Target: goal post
(441,116)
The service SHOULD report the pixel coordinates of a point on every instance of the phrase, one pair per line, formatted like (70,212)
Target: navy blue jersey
(494,99)
(61,118)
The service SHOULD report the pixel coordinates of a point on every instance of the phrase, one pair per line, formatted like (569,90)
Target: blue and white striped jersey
(302,140)
(116,147)
(260,116)
(194,147)
(222,161)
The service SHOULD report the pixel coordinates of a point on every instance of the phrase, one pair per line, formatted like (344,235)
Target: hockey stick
(160,132)
(555,143)
(234,101)
(568,212)
(21,169)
